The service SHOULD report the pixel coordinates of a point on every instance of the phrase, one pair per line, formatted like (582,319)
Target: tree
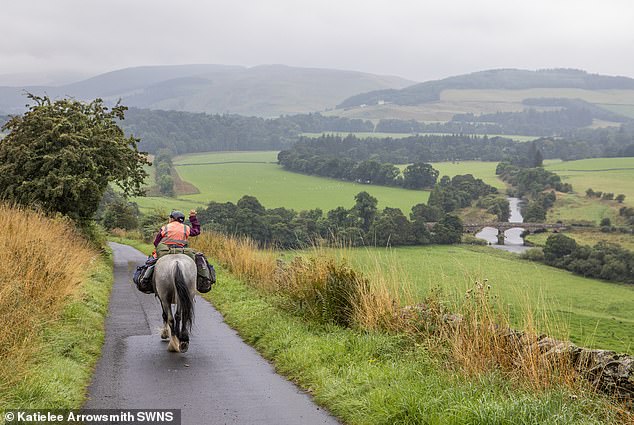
(535,157)
(534,212)
(62,155)
(419,176)
(163,166)
(620,198)
(426,213)
(391,227)
(120,215)
(448,230)
(365,209)
(558,246)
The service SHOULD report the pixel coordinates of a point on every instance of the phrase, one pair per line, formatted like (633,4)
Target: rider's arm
(158,237)
(195,225)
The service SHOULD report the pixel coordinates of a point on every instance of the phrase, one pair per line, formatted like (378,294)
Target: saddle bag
(143,276)
(206,274)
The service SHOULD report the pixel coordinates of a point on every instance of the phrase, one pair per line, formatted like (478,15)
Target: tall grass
(481,339)
(42,263)
(473,334)
(320,285)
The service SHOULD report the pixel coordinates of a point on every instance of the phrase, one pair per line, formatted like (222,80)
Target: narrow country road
(220,380)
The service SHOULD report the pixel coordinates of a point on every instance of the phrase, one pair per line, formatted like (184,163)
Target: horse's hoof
(164,337)
(173,346)
(184,346)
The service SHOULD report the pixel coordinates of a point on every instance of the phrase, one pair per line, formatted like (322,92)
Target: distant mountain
(498,79)
(267,90)
(43,78)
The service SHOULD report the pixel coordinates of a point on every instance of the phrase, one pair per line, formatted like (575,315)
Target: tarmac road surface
(220,380)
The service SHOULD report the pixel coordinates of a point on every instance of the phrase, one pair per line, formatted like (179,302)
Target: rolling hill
(502,90)
(266,90)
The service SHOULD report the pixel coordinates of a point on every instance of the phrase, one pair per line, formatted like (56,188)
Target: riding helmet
(178,216)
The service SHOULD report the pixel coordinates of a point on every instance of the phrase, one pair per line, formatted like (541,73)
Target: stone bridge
(504,226)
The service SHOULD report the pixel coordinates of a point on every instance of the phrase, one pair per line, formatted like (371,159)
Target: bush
(151,223)
(472,240)
(94,233)
(341,294)
(533,254)
(558,246)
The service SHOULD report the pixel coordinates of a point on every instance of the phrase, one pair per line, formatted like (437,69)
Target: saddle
(205,277)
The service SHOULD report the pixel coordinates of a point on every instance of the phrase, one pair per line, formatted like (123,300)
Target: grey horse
(175,283)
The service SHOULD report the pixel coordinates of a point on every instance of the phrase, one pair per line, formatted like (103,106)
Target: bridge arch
(502,227)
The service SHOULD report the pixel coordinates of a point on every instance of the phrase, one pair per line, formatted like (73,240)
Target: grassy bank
(377,378)
(328,296)
(65,352)
(54,295)
(591,312)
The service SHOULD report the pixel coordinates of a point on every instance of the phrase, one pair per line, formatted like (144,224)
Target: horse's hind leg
(183,335)
(174,343)
(165,332)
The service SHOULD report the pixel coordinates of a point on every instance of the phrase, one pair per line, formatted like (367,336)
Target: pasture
(484,101)
(599,97)
(227,176)
(615,175)
(576,208)
(589,312)
(588,236)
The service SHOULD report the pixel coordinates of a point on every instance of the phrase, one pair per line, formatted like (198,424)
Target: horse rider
(175,233)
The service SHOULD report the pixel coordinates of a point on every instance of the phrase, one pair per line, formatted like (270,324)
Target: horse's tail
(185,299)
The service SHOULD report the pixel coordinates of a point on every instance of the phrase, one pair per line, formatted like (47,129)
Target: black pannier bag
(143,277)
(206,274)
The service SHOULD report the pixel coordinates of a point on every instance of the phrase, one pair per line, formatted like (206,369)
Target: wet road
(220,380)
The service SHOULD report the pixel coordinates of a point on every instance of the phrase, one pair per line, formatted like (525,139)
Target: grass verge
(64,350)
(375,378)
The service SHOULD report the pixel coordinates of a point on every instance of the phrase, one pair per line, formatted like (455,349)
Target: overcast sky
(415,39)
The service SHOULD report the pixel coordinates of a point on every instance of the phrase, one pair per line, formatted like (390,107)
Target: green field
(227,176)
(615,175)
(576,208)
(460,101)
(591,312)
(588,236)
(612,97)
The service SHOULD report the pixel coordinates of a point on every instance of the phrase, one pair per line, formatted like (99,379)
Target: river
(513,242)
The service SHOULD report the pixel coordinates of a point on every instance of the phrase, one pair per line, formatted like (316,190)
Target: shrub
(472,240)
(558,246)
(533,254)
